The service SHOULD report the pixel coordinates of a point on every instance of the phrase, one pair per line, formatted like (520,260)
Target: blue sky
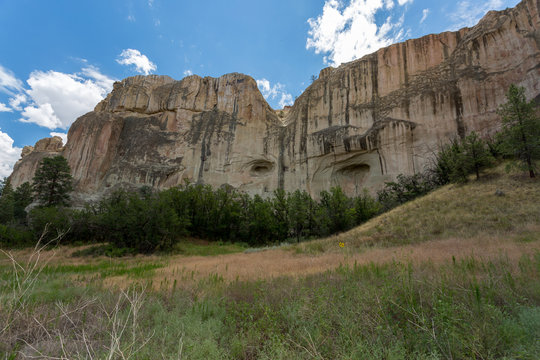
(59,58)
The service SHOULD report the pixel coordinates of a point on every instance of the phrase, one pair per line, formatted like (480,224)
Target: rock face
(357,126)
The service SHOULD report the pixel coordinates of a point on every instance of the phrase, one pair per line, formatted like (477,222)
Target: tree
(365,207)
(2,185)
(520,136)
(22,198)
(475,154)
(53,181)
(7,203)
(338,209)
(280,207)
(300,213)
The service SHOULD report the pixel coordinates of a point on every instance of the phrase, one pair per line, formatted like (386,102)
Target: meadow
(454,274)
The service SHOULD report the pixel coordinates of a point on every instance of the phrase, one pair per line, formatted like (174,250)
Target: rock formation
(356,126)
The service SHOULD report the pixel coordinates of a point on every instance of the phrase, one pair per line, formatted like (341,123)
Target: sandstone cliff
(357,126)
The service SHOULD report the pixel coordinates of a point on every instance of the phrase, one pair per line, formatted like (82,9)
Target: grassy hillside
(453,275)
(471,210)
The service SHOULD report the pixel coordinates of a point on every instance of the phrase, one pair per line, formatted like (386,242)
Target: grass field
(452,275)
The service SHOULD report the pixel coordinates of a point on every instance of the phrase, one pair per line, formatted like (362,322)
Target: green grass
(189,248)
(186,247)
(105,269)
(466,309)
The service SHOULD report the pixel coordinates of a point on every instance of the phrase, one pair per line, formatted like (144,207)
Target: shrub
(405,188)
(57,219)
(14,237)
(144,224)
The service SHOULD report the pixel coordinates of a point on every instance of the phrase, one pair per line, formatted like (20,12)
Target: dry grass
(276,263)
(454,211)
(455,221)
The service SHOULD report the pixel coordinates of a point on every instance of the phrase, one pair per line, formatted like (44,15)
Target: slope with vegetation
(453,274)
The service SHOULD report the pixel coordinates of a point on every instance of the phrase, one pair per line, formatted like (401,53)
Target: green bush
(56,220)
(405,188)
(145,224)
(14,237)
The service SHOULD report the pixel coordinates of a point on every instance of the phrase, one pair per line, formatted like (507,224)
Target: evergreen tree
(338,208)
(365,207)
(475,154)
(280,207)
(7,203)
(300,213)
(520,136)
(22,198)
(53,181)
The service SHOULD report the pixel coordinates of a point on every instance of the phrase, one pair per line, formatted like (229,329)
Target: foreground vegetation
(478,302)
(463,309)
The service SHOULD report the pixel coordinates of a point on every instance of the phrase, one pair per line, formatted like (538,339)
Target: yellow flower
(341,244)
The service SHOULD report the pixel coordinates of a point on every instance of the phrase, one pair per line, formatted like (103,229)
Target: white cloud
(5,108)
(275,92)
(8,82)
(104,82)
(389,4)
(349,32)
(62,135)
(286,100)
(468,13)
(403,2)
(188,73)
(58,99)
(9,154)
(131,18)
(42,115)
(143,65)
(425,14)
(16,101)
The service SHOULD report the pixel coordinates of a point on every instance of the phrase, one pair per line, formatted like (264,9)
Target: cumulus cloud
(42,115)
(188,73)
(9,154)
(16,101)
(143,65)
(53,99)
(4,108)
(468,13)
(9,84)
(425,14)
(349,32)
(58,99)
(62,135)
(275,93)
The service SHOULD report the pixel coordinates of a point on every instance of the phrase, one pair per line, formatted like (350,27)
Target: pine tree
(475,154)
(53,181)
(520,136)
(7,203)
(23,198)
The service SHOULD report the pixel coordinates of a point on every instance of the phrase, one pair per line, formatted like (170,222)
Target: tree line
(147,220)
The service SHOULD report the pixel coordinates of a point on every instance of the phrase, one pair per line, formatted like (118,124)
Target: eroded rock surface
(357,126)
